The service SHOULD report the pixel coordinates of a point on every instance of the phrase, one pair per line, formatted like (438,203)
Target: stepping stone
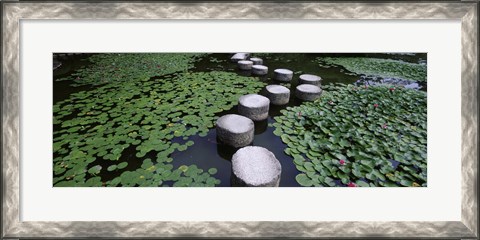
(310,79)
(245,65)
(283,75)
(235,130)
(259,70)
(308,92)
(256,61)
(254,106)
(278,95)
(256,167)
(239,56)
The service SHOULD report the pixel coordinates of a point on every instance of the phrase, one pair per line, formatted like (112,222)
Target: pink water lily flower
(375,105)
(351,184)
(384,126)
(342,162)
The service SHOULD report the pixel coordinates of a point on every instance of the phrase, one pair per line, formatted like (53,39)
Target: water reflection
(245,73)
(261,126)
(225,151)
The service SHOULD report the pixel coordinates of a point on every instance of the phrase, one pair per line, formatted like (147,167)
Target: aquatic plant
(119,126)
(379,67)
(120,67)
(358,136)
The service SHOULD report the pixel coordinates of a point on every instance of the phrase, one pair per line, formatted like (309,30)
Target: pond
(148,119)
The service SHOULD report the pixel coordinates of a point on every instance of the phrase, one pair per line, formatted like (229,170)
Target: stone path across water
(251,165)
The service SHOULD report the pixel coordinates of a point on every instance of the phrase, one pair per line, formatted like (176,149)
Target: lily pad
(351,134)
(122,165)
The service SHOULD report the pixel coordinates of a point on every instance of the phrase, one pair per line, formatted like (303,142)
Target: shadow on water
(207,152)
(64,65)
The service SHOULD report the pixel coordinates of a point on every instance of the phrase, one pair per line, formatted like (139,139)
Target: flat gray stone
(235,130)
(259,70)
(256,167)
(256,61)
(278,95)
(245,65)
(310,79)
(283,75)
(239,56)
(254,106)
(308,92)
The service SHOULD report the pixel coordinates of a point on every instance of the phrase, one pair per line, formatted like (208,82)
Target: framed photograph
(240,120)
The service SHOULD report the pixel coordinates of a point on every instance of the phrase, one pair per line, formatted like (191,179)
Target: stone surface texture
(235,130)
(283,75)
(256,61)
(278,95)
(254,106)
(239,56)
(256,167)
(308,92)
(245,65)
(259,70)
(310,79)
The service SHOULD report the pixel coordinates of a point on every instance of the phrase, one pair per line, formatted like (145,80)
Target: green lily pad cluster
(216,60)
(119,67)
(378,67)
(358,136)
(155,174)
(110,128)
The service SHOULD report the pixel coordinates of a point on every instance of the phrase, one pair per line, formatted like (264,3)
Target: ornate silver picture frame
(13,12)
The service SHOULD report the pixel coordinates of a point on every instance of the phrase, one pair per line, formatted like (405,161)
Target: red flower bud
(351,184)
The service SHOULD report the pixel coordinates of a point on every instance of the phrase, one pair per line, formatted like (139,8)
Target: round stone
(278,95)
(310,79)
(239,56)
(235,130)
(254,106)
(308,92)
(283,75)
(256,61)
(245,65)
(259,70)
(256,167)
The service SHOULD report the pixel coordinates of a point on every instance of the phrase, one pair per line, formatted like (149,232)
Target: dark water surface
(207,152)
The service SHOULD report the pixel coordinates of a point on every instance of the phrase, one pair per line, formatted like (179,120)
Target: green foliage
(380,67)
(123,67)
(352,134)
(142,115)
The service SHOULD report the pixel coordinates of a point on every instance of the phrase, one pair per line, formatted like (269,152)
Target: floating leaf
(95,169)
(212,171)
(304,180)
(112,168)
(122,165)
